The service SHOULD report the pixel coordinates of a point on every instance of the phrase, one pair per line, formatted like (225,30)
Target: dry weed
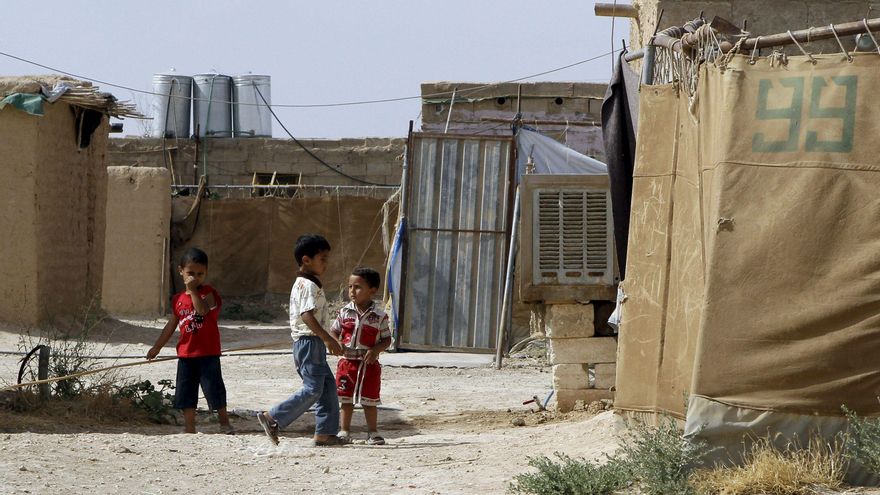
(24,411)
(768,470)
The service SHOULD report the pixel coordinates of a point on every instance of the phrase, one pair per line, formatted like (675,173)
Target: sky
(318,52)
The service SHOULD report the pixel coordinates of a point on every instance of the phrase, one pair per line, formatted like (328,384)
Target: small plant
(769,470)
(661,459)
(658,458)
(863,441)
(157,403)
(72,352)
(246,312)
(571,477)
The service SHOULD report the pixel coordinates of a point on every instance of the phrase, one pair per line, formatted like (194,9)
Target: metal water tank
(171,99)
(212,105)
(250,114)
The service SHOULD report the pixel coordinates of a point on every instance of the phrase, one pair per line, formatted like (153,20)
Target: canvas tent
(752,279)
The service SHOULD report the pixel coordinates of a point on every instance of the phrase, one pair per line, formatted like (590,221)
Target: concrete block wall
(583,362)
(235,160)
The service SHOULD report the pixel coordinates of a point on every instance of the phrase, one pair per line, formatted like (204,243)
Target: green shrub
(660,458)
(571,477)
(157,403)
(863,441)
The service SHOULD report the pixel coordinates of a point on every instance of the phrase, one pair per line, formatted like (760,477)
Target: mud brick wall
(53,194)
(235,160)
(583,363)
(136,254)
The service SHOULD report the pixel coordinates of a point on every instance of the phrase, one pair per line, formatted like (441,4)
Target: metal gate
(459,192)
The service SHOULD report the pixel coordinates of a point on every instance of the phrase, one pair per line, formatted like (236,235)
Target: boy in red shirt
(362,329)
(194,313)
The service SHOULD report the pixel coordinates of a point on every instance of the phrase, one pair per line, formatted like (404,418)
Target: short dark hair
(309,245)
(194,255)
(371,276)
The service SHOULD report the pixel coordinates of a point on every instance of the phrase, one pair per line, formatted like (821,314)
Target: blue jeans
(319,386)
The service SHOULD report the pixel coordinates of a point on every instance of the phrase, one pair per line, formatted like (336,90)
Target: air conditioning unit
(567,242)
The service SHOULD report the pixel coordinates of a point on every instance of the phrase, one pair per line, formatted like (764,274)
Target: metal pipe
(648,65)
(470,231)
(503,321)
(586,123)
(630,56)
(451,104)
(43,372)
(812,34)
(678,38)
(280,186)
(404,247)
(615,10)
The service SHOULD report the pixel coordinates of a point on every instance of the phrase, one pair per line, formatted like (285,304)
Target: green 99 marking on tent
(793,113)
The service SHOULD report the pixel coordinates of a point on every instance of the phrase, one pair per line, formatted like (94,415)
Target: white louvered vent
(573,236)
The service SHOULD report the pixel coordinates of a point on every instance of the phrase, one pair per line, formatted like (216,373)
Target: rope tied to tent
(801,48)
(849,58)
(868,30)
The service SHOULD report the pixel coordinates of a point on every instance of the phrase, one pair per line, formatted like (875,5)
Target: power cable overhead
(315,105)
(310,153)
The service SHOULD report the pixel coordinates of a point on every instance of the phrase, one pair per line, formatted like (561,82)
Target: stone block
(606,376)
(571,376)
(566,398)
(593,350)
(565,321)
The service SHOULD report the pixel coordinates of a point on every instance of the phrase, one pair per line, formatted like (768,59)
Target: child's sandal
(332,441)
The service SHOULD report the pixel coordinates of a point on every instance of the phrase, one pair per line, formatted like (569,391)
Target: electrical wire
(315,105)
(480,131)
(310,153)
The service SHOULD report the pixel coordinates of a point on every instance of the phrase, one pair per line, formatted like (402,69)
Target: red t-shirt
(199,335)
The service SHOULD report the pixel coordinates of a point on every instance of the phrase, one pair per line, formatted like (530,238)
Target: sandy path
(448,431)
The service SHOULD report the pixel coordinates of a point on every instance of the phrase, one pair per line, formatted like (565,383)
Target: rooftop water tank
(212,105)
(250,114)
(171,98)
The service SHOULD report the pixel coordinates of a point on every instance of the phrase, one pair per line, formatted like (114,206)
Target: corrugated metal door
(456,251)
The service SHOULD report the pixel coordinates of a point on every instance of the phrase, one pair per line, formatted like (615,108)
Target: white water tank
(171,100)
(250,114)
(212,105)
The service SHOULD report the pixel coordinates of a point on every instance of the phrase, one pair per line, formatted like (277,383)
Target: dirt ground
(449,429)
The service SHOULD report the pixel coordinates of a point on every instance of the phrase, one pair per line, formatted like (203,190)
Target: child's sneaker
(227,430)
(375,439)
(270,427)
(344,435)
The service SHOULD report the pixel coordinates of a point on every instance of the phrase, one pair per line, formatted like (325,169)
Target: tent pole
(503,324)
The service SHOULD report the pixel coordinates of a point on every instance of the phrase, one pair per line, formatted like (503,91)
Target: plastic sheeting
(552,157)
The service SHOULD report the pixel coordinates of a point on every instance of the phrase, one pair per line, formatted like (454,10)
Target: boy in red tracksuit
(362,329)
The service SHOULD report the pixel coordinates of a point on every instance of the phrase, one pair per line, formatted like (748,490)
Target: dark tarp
(620,115)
